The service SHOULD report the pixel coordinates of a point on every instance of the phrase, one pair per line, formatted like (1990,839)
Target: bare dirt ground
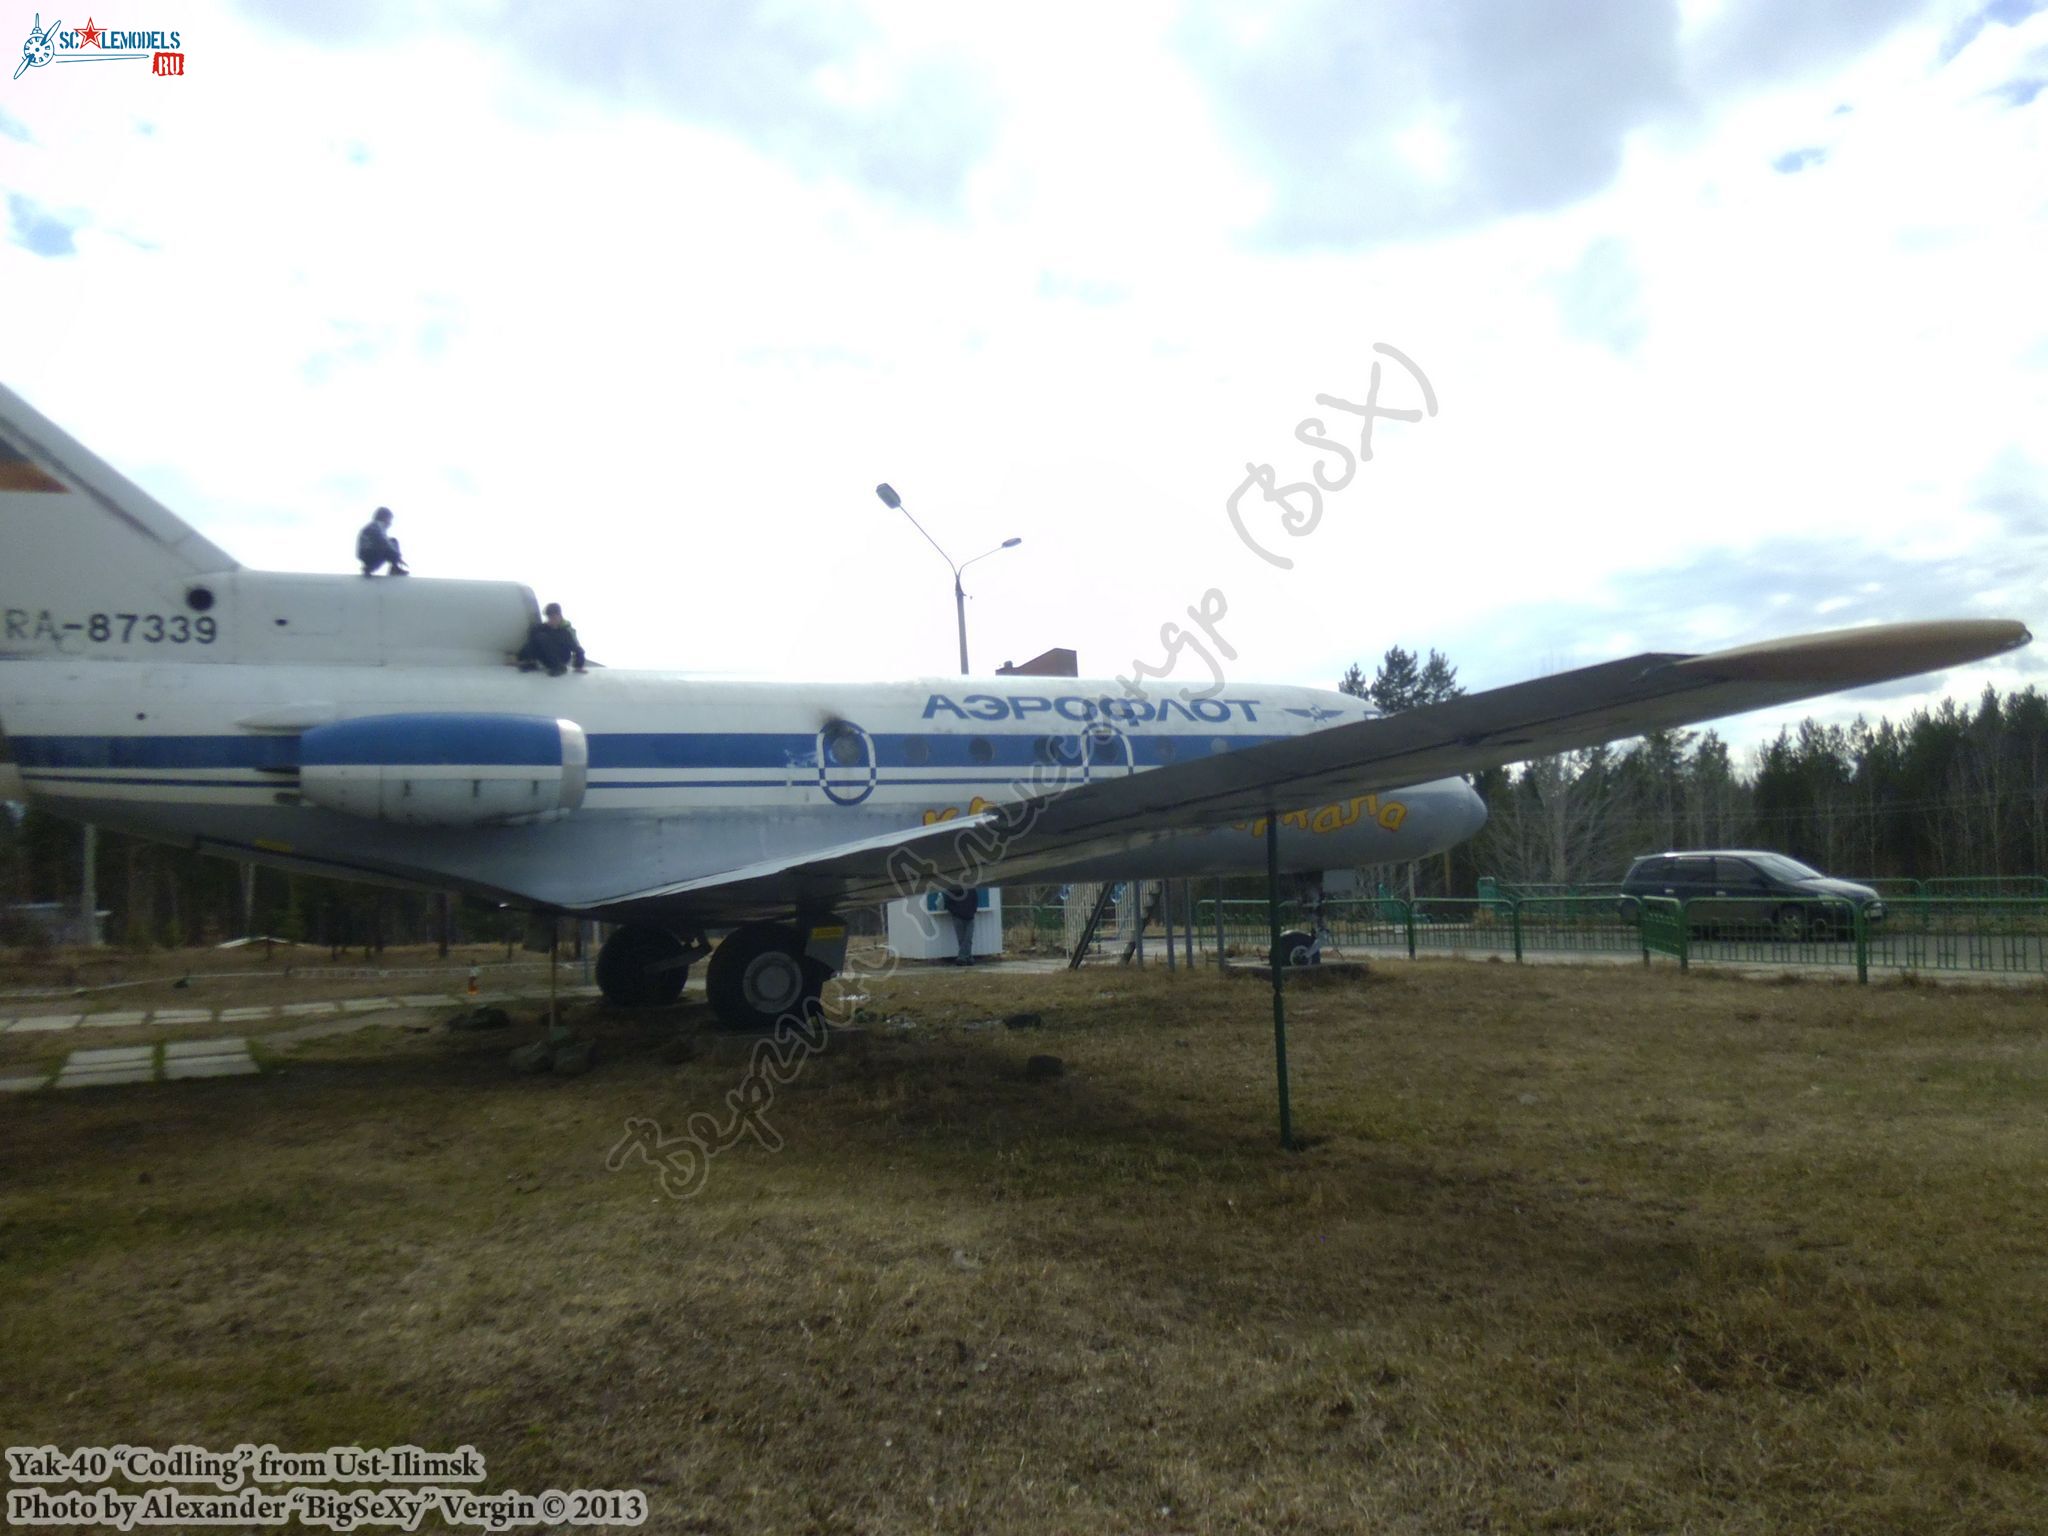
(1595,1250)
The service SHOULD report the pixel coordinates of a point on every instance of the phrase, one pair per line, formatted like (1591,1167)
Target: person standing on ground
(375,547)
(961,903)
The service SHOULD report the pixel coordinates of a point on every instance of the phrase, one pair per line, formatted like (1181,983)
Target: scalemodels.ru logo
(93,43)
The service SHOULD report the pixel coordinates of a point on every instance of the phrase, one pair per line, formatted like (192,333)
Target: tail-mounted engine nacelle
(446,770)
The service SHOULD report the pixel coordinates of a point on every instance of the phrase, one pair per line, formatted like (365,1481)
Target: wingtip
(1848,658)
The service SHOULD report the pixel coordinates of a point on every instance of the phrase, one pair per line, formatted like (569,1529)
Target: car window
(1652,871)
(1787,869)
(1737,875)
(1692,871)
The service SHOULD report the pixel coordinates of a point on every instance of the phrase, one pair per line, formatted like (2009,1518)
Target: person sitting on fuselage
(551,643)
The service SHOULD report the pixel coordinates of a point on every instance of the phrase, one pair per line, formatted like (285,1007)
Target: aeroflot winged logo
(94,43)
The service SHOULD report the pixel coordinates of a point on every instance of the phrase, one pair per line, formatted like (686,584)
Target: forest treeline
(155,894)
(1960,789)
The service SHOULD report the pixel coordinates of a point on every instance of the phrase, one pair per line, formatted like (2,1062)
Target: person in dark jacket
(961,904)
(551,643)
(376,548)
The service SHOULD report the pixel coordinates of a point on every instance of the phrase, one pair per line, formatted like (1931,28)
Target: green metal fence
(1585,925)
(1453,925)
(1889,886)
(1036,928)
(1377,922)
(2016,887)
(1243,926)
(2013,887)
(1983,935)
(1824,931)
(1661,922)
(1963,933)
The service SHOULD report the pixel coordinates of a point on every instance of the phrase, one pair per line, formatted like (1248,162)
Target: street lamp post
(890,499)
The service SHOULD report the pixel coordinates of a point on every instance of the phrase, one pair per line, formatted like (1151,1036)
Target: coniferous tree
(1439,679)
(1397,685)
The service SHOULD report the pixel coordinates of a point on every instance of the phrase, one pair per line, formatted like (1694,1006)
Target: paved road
(96,1066)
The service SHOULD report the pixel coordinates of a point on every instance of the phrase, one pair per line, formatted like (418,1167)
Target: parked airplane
(377,728)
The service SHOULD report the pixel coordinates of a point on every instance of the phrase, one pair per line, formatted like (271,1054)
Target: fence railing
(1984,935)
(2020,887)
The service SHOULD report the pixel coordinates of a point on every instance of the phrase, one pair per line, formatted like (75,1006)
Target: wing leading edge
(1049,827)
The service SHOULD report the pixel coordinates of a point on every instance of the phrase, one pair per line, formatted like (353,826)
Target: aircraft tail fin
(81,538)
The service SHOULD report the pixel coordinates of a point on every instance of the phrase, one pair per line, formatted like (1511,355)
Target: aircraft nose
(1471,812)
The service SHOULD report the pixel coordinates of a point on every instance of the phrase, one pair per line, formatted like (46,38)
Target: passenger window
(916,751)
(843,744)
(981,749)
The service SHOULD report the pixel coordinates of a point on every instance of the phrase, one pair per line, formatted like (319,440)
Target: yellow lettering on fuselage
(936,814)
(1335,818)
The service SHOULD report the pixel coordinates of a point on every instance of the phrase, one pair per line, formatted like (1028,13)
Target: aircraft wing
(1052,825)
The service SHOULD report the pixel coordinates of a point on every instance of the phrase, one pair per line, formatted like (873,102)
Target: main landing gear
(642,967)
(760,974)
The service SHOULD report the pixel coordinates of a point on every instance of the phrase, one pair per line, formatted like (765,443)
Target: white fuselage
(685,777)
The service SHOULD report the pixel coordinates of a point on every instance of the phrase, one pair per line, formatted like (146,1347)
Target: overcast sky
(1732,314)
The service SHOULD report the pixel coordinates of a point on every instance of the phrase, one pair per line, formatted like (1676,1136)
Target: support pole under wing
(1094,921)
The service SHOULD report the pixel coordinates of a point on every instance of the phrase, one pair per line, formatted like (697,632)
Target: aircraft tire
(758,976)
(1297,947)
(641,967)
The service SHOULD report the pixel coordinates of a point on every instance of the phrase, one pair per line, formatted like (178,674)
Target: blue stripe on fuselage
(527,741)
(156,751)
(648,750)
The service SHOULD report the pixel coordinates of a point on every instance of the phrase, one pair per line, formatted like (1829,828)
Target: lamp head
(888,494)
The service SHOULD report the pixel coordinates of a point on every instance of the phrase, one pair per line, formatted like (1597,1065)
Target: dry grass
(1569,1250)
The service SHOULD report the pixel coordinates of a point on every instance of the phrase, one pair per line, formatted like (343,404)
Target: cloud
(9,128)
(1062,285)
(1792,583)
(2006,13)
(1753,43)
(1793,161)
(1407,120)
(2017,93)
(39,230)
(1378,122)
(819,88)
(1600,299)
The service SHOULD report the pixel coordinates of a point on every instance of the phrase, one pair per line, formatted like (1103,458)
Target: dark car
(1742,887)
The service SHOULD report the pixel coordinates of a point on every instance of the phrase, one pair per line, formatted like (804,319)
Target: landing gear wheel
(759,976)
(641,967)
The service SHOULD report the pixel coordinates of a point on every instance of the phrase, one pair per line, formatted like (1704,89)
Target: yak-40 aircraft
(377,728)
